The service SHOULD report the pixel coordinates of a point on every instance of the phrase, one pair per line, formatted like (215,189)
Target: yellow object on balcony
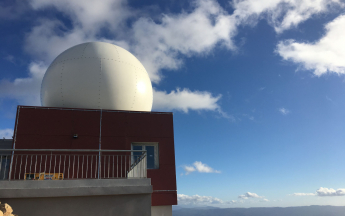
(43,176)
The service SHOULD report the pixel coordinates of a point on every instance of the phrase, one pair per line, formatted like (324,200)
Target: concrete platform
(78,197)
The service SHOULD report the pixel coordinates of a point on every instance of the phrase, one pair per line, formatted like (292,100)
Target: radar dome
(97,75)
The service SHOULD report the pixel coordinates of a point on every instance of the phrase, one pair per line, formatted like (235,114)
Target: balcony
(75,181)
(71,164)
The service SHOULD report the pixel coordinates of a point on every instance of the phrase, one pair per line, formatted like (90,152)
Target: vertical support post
(14,145)
(100,144)
(145,165)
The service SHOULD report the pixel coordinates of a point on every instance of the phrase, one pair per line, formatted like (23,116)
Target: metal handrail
(74,150)
(92,110)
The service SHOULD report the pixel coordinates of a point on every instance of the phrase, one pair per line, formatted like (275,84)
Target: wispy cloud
(249,195)
(198,200)
(9,58)
(284,111)
(254,196)
(323,192)
(303,194)
(198,166)
(189,169)
(282,14)
(209,200)
(25,90)
(6,133)
(250,117)
(13,9)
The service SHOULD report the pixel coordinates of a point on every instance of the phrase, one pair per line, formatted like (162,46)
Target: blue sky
(256,87)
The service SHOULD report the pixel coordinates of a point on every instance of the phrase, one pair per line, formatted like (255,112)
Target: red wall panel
(163,178)
(164,198)
(115,124)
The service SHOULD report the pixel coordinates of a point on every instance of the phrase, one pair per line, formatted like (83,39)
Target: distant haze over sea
(271,211)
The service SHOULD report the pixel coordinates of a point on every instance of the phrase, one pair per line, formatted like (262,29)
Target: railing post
(10,172)
(99,164)
(14,145)
(100,144)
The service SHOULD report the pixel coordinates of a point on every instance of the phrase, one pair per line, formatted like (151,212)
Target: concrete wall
(130,197)
(116,205)
(67,188)
(161,210)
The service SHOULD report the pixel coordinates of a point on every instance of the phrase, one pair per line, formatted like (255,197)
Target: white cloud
(7,133)
(188,169)
(281,14)
(209,24)
(233,202)
(46,40)
(284,111)
(203,168)
(322,56)
(249,195)
(209,200)
(199,167)
(323,192)
(197,200)
(303,194)
(25,90)
(159,44)
(185,100)
(330,192)
(91,16)
(195,33)
(49,38)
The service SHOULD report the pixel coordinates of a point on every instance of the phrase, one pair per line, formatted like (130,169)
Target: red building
(64,128)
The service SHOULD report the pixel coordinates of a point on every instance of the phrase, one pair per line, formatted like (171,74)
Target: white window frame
(156,151)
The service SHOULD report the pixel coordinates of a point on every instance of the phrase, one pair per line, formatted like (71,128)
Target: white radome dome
(97,75)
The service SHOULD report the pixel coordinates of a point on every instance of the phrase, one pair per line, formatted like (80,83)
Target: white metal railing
(59,164)
(139,168)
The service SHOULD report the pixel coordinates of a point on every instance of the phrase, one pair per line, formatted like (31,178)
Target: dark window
(151,151)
